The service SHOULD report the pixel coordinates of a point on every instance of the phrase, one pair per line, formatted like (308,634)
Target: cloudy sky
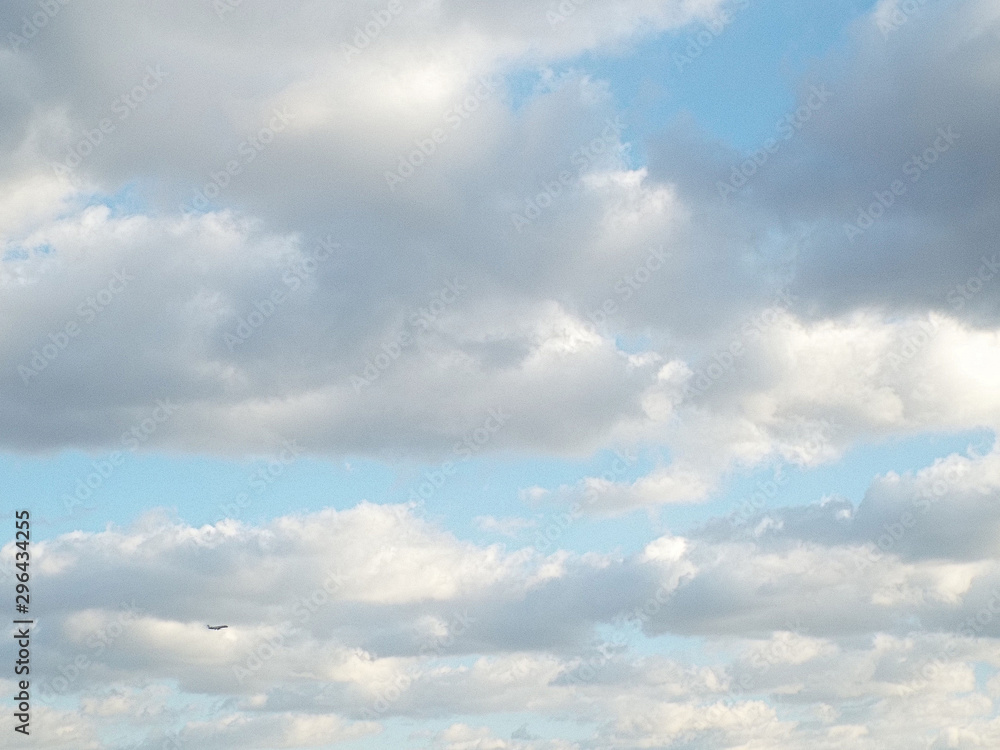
(547,375)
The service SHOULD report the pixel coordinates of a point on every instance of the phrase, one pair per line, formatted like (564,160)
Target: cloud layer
(427,230)
(331,634)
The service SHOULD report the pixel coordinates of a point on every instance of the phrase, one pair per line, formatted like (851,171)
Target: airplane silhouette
(216,627)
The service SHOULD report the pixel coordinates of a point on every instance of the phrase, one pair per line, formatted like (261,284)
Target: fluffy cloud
(355,334)
(886,100)
(779,389)
(224,233)
(331,636)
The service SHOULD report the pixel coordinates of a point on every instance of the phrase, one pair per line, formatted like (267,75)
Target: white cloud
(816,611)
(822,625)
(506,526)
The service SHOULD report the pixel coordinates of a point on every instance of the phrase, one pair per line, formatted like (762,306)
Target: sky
(576,375)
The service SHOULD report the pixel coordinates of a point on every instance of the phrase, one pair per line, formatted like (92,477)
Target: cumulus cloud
(783,390)
(500,315)
(331,636)
(825,168)
(229,233)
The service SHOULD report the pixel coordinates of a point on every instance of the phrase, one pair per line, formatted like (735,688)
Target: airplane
(216,627)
